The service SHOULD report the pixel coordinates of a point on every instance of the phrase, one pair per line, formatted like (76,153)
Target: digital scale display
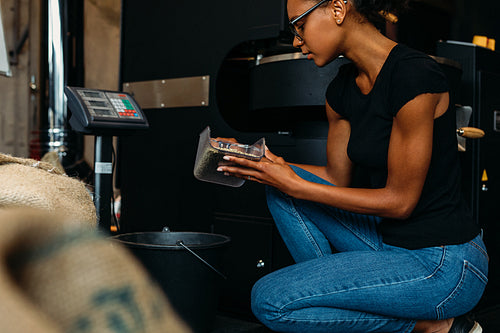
(102,110)
(97,103)
(87,93)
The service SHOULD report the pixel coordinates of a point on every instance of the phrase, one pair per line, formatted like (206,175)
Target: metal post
(103,169)
(55,133)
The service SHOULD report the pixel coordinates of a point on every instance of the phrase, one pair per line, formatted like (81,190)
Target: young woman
(398,253)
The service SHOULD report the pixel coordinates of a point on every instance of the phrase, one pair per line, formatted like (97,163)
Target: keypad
(124,107)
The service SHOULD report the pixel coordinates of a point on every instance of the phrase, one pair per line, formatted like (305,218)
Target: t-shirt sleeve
(413,77)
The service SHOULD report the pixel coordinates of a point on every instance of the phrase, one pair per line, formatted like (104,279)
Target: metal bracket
(170,93)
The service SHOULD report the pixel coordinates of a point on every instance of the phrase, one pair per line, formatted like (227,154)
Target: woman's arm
(338,168)
(410,151)
(409,156)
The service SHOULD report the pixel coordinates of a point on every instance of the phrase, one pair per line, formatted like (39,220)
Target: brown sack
(35,184)
(58,277)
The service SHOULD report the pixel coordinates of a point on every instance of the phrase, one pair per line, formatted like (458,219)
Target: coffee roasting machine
(229,65)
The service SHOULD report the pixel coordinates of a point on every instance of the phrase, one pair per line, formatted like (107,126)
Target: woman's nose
(297,43)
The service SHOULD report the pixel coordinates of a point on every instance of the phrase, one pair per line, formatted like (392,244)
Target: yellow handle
(470,132)
(389,17)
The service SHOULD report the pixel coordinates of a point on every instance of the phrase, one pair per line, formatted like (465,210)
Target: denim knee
(262,308)
(273,194)
(277,201)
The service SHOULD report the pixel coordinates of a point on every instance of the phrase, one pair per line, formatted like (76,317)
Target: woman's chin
(319,62)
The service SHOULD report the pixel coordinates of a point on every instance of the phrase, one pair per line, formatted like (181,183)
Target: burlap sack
(57,277)
(35,184)
(52,158)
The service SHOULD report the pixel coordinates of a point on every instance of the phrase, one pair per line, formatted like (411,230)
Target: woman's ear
(339,8)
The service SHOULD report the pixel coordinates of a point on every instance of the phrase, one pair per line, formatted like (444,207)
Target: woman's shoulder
(413,61)
(414,73)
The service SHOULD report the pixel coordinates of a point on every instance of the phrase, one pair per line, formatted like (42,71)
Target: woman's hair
(372,9)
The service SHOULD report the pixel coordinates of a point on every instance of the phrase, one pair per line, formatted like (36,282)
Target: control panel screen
(92,94)
(98,103)
(103,112)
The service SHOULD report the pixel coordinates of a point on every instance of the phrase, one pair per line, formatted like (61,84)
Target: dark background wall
(428,21)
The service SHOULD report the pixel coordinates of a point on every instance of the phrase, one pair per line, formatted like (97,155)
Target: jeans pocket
(466,294)
(478,245)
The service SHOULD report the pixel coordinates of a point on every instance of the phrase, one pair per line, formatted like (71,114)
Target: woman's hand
(271,157)
(271,170)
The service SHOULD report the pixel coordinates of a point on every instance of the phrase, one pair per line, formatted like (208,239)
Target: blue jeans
(363,285)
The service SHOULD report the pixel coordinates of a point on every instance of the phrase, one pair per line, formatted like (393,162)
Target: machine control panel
(95,111)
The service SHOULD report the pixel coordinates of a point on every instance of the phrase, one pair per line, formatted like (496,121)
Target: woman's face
(319,30)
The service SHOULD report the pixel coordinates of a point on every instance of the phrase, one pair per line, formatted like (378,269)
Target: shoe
(464,324)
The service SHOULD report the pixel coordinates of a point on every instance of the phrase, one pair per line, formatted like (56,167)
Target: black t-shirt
(441,216)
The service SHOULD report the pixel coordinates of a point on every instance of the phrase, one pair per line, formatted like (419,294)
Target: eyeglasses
(291,24)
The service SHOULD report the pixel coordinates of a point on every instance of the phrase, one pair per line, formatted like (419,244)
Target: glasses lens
(294,31)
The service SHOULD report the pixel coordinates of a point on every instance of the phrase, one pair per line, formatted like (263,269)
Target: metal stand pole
(103,180)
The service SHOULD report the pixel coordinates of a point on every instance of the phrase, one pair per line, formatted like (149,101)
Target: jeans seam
(476,271)
(360,236)
(439,310)
(480,249)
(467,268)
(339,215)
(305,228)
(411,326)
(342,320)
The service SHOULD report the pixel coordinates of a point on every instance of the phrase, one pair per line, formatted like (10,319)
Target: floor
(489,320)
(232,325)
